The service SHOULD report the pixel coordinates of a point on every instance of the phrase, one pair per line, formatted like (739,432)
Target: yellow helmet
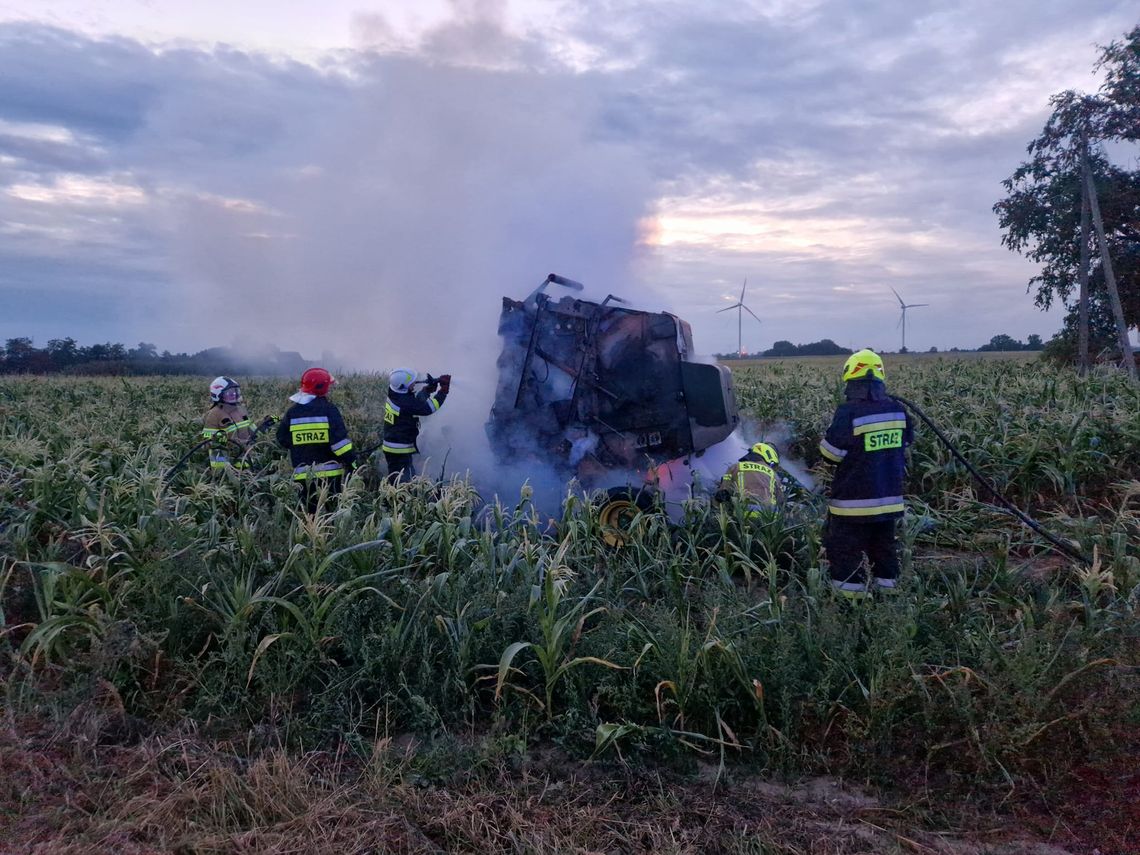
(767,452)
(864,363)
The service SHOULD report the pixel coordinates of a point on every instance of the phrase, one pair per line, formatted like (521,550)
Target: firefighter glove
(268,422)
(445,382)
(722,496)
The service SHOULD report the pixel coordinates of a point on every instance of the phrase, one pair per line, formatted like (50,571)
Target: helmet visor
(231,394)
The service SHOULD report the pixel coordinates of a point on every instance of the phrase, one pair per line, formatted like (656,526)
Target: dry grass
(184,795)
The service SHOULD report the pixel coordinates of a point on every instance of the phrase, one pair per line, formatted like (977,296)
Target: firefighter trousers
(311,491)
(401,468)
(847,542)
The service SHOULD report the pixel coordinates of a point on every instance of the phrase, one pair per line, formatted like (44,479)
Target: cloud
(378,201)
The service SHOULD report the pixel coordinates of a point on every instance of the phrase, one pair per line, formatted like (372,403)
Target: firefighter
(227,421)
(753,480)
(867,440)
(314,432)
(402,412)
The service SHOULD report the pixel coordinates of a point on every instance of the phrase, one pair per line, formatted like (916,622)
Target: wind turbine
(740,309)
(902,320)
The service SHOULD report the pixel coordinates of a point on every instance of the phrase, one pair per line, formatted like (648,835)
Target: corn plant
(559,626)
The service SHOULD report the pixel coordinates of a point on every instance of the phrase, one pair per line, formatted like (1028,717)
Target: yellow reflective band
(387,449)
(390,413)
(433,403)
(339,449)
(218,464)
(209,432)
(830,455)
(875,426)
(320,473)
(875,511)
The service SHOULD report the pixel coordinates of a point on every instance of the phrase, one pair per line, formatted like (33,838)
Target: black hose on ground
(1069,550)
(811,491)
(169,476)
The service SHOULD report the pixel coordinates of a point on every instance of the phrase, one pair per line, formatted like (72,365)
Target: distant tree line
(65,355)
(825,347)
(1005,342)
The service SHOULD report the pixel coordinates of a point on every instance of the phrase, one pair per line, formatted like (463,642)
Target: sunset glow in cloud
(222,170)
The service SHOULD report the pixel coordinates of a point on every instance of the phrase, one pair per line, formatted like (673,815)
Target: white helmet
(224,390)
(401,379)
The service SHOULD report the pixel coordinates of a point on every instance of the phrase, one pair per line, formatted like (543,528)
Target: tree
(1034,342)
(145,350)
(823,347)
(1002,342)
(1102,334)
(782,348)
(1041,214)
(18,353)
(63,351)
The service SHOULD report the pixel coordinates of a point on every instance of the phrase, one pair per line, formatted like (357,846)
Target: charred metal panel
(711,402)
(595,386)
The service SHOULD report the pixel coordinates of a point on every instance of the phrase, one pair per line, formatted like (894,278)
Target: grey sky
(357,178)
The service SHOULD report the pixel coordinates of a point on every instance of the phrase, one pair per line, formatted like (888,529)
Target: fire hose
(1067,548)
(266,423)
(169,476)
(431,383)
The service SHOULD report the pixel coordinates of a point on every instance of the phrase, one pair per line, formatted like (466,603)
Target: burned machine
(597,388)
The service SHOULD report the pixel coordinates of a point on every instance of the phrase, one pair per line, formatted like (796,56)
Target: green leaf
(505,664)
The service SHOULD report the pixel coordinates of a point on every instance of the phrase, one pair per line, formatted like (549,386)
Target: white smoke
(779,434)
(388,234)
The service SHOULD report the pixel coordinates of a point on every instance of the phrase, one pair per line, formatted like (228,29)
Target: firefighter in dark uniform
(227,421)
(314,432)
(867,439)
(402,412)
(753,481)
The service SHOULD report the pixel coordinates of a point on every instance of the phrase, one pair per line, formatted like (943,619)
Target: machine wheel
(618,510)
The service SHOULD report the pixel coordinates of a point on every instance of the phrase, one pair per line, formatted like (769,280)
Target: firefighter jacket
(231,421)
(317,440)
(753,481)
(868,439)
(401,418)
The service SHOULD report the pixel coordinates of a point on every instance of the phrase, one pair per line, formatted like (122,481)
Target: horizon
(281,176)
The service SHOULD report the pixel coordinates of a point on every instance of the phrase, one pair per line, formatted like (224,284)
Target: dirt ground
(99,786)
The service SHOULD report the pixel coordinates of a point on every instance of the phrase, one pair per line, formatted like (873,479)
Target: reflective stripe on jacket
(317,440)
(753,480)
(868,438)
(233,422)
(402,412)
(318,470)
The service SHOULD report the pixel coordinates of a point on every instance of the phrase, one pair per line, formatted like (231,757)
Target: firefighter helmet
(767,452)
(864,363)
(401,379)
(223,390)
(317,381)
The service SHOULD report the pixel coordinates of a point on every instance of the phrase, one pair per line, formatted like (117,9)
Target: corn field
(425,608)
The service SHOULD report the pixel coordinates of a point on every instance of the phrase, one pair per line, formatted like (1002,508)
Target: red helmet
(317,381)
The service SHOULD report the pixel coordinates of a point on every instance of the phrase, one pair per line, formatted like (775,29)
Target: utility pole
(1083,302)
(1109,276)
